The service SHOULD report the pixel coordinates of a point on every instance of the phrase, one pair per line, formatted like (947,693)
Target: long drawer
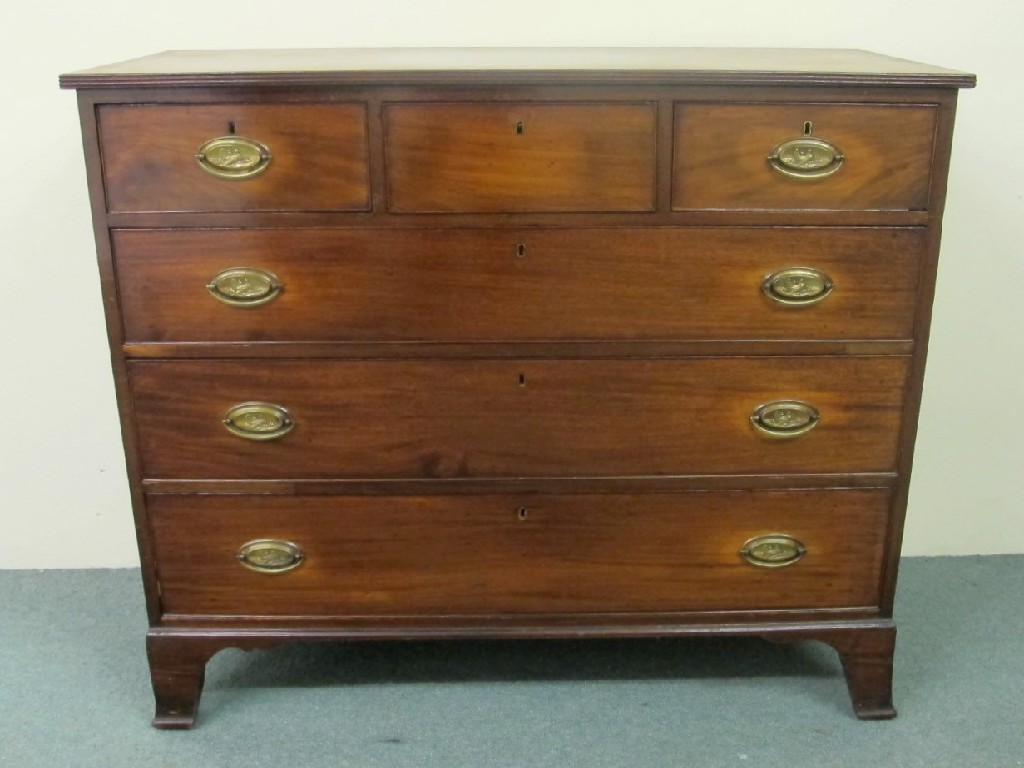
(507,418)
(516,284)
(496,554)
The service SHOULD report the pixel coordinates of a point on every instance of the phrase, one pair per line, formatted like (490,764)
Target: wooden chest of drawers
(535,343)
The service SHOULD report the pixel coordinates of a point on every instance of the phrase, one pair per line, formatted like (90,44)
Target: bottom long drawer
(497,554)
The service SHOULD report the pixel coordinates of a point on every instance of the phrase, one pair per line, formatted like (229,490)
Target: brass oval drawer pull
(797,286)
(258,421)
(776,550)
(806,158)
(270,555)
(244,287)
(233,157)
(784,418)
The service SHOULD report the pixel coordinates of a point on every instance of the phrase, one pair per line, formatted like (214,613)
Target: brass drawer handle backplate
(270,555)
(806,158)
(776,550)
(784,418)
(258,421)
(244,287)
(233,157)
(797,286)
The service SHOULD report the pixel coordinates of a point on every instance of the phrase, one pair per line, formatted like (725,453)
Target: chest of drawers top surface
(477,342)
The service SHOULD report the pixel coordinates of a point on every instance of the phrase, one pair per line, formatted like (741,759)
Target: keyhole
(521,250)
(519,127)
(808,127)
(523,512)
(522,379)
(231,127)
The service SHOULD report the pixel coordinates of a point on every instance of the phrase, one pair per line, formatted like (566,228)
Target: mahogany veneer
(538,343)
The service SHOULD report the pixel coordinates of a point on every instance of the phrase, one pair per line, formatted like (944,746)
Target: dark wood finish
(721,150)
(471,285)
(318,157)
(451,158)
(424,419)
(628,380)
(532,554)
(514,350)
(474,66)
(566,485)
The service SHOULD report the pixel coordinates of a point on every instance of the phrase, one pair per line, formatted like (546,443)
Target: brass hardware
(233,157)
(776,550)
(519,127)
(244,287)
(797,286)
(270,556)
(258,421)
(784,418)
(806,158)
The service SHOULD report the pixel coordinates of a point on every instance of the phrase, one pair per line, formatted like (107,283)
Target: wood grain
(516,157)
(367,285)
(721,150)
(508,418)
(319,157)
(480,555)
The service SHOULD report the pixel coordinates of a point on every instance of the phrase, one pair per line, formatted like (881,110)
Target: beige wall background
(63,494)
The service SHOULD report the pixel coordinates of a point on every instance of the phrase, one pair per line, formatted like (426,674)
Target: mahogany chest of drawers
(517,343)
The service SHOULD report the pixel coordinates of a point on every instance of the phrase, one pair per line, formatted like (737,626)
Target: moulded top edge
(717,66)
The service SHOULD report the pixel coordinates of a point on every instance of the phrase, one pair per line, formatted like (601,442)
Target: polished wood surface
(520,157)
(514,555)
(720,151)
(732,66)
(632,284)
(507,418)
(319,157)
(478,318)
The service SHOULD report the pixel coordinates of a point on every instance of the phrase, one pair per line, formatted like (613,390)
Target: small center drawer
(496,554)
(235,157)
(803,156)
(520,157)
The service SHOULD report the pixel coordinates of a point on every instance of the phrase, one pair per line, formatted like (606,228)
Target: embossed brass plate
(784,418)
(797,286)
(258,421)
(270,555)
(806,158)
(233,157)
(244,287)
(775,550)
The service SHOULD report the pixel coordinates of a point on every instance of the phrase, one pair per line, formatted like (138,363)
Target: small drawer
(802,156)
(505,554)
(235,157)
(366,285)
(516,418)
(520,157)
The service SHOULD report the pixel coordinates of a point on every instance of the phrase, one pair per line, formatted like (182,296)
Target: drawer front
(496,554)
(314,157)
(512,418)
(722,150)
(515,285)
(507,157)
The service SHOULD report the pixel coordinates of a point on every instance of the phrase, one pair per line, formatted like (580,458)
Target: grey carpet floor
(74,691)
